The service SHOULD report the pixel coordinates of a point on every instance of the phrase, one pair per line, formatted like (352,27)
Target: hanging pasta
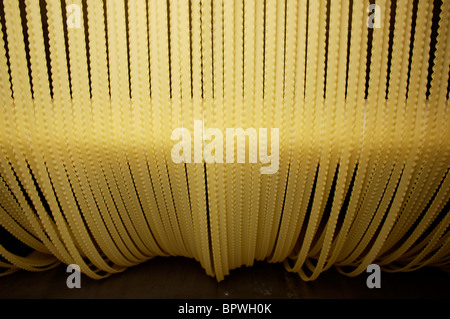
(313,133)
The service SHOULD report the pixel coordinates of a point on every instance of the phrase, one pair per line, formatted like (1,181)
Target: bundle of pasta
(346,100)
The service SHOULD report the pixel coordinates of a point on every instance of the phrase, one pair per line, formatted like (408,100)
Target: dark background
(177,277)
